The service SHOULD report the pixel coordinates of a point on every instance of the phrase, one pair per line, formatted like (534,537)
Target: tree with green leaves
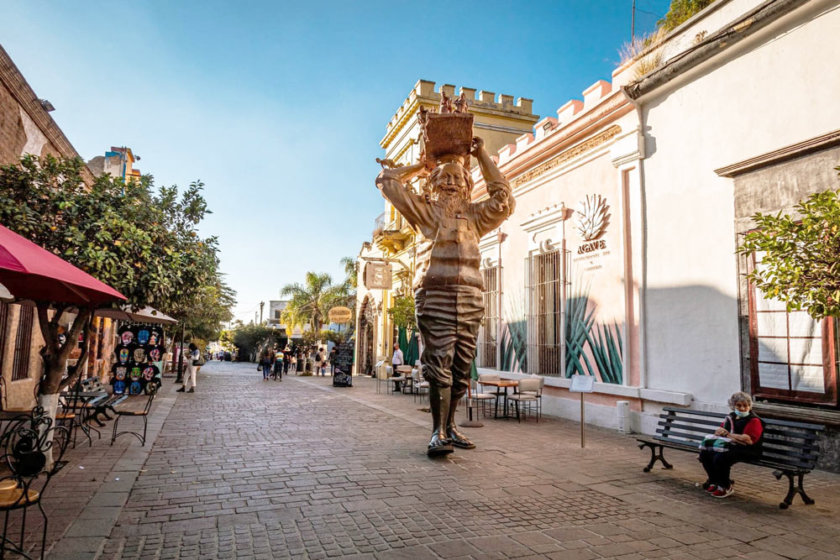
(680,11)
(250,338)
(140,241)
(403,313)
(798,256)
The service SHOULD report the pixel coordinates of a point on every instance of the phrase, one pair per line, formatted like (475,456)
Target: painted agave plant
(514,347)
(514,343)
(604,342)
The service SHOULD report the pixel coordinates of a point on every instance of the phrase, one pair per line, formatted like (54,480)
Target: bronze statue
(448,284)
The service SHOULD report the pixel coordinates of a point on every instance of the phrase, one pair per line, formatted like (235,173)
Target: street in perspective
(404,281)
(298,468)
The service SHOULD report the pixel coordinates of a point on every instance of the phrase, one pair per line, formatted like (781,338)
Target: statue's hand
(476,146)
(386,163)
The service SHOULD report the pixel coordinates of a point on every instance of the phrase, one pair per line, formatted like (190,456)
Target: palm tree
(350,273)
(309,303)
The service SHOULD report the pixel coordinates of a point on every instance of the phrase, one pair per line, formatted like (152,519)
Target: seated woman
(744,430)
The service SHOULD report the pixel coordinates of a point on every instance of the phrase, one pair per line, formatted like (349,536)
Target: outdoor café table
(405,376)
(502,384)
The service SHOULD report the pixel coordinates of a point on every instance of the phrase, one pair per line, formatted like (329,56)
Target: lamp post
(262,303)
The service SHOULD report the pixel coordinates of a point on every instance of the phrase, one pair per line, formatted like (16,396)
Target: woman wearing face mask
(744,429)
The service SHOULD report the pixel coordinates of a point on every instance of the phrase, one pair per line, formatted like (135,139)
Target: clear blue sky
(278,107)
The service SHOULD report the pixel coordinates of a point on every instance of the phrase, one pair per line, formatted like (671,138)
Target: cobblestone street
(299,469)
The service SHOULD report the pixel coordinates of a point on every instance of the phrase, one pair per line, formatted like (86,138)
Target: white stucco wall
(774,89)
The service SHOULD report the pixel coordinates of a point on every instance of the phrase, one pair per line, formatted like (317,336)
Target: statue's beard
(452,203)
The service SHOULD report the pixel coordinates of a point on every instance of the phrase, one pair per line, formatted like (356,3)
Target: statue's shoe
(458,439)
(439,445)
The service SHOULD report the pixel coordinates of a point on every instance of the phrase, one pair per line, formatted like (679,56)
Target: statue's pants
(448,319)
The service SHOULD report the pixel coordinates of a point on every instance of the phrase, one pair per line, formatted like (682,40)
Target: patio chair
(529,395)
(69,413)
(418,385)
(132,408)
(480,395)
(26,443)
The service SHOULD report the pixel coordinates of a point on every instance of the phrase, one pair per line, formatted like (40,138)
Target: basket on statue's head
(449,132)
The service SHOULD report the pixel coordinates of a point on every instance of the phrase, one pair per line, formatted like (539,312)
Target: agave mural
(514,347)
(604,342)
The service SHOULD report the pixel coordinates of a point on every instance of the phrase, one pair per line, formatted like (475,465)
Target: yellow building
(386,263)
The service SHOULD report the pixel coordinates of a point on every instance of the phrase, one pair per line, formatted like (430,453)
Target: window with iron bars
(545,335)
(23,343)
(4,317)
(487,337)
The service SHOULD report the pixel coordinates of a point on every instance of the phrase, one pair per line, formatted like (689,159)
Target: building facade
(117,162)
(620,260)
(26,127)
(739,118)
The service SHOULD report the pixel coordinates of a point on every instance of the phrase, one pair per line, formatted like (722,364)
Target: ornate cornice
(567,155)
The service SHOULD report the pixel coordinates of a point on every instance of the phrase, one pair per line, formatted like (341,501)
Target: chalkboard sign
(343,365)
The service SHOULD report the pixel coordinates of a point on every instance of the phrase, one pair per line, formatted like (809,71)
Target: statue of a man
(448,284)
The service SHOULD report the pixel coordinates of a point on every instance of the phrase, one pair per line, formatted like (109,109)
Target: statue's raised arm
(490,213)
(393,181)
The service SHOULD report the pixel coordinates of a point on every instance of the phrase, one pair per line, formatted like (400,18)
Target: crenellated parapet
(490,110)
(597,98)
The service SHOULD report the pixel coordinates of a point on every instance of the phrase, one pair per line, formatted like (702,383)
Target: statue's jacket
(449,256)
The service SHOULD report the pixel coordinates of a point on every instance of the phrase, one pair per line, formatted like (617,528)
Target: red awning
(31,272)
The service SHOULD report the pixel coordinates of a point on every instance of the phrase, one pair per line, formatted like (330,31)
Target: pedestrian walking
(266,360)
(287,359)
(278,366)
(193,363)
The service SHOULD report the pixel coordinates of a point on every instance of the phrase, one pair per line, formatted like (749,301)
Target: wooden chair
(26,444)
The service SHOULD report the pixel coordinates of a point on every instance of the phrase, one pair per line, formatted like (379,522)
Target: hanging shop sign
(340,315)
(378,276)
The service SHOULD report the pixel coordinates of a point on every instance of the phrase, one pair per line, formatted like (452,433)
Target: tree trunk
(50,405)
(55,358)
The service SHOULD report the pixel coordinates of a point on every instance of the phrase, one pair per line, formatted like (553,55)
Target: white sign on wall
(592,217)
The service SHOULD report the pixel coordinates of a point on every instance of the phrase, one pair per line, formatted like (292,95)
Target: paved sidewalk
(251,469)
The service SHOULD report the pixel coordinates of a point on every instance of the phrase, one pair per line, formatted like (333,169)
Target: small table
(502,384)
(405,376)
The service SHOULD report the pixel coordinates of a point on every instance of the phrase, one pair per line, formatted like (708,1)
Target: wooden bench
(137,406)
(791,449)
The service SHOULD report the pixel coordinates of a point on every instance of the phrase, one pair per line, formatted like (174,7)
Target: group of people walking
(273,363)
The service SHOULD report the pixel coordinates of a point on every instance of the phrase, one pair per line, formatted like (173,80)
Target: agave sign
(591,218)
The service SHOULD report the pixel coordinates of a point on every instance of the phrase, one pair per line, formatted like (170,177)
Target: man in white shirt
(397,360)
